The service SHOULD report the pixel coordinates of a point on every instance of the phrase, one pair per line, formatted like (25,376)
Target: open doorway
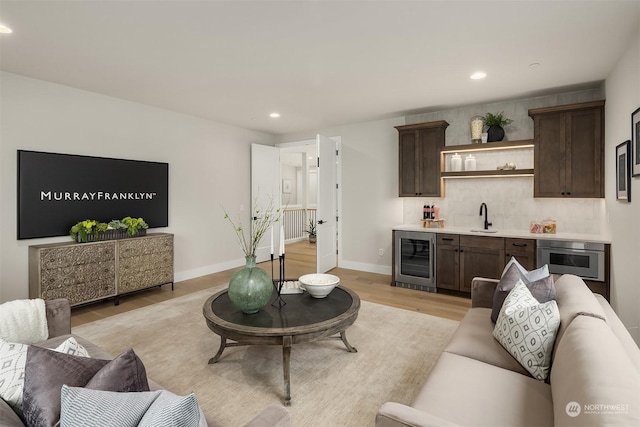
(299,172)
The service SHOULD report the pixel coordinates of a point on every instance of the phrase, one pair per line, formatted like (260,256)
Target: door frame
(338,140)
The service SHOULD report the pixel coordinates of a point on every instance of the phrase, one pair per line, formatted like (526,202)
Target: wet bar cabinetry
(86,272)
(569,150)
(419,158)
(460,258)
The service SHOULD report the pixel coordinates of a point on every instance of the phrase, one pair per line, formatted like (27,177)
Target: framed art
(635,141)
(623,172)
(286,186)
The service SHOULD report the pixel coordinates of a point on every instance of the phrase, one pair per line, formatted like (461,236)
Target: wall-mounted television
(57,190)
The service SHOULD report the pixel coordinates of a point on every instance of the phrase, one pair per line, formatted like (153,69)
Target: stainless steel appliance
(415,260)
(583,259)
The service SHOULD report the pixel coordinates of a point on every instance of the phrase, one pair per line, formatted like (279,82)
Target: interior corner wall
(202,155)
(623,97)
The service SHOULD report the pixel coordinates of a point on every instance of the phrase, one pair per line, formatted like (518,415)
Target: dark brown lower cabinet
(460,258)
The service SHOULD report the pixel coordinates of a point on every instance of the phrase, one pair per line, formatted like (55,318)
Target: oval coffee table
(302,319)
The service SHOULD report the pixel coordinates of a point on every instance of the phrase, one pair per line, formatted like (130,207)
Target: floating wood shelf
(503,145)
(488,173)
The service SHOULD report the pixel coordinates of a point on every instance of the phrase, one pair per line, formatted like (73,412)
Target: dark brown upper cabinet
(420,167)
(569,150)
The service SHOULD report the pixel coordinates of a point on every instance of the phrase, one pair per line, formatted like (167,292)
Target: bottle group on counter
(430,211)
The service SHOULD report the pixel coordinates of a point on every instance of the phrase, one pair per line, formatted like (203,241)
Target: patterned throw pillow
(13,357)
(82,406)
(527,330)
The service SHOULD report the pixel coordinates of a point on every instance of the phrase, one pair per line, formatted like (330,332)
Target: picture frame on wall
(635,141)
(623,172)
(286,186)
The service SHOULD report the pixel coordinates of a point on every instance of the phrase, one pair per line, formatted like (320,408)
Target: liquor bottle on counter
(425,214)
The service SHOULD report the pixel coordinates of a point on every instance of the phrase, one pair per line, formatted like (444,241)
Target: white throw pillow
(24,321)
(13,358)
(527,330)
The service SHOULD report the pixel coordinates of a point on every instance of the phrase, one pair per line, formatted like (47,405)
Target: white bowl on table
(319,285)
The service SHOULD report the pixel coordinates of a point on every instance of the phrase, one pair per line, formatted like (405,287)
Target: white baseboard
(209,269)
(369,268)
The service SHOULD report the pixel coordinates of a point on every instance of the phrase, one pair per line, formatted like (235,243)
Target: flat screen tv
(57,190)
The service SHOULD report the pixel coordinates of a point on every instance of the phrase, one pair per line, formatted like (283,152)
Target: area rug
(329,386)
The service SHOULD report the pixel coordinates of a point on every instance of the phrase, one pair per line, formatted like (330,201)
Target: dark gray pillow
(46,371)
(542,290)
(124,373)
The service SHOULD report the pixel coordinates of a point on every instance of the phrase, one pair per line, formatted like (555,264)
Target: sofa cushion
(13,358)
(81,406)
(474,339)
(46,371)
(473,393)
(593,381)
(620,331)
(574,298)
(527,329)
(539,282)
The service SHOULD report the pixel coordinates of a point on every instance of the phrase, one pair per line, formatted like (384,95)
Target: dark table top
(300,310)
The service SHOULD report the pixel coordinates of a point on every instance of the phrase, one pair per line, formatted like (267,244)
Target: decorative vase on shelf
(495,133)
(477,122)
(250,288)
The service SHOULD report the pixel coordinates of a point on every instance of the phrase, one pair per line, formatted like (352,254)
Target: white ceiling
(318,63)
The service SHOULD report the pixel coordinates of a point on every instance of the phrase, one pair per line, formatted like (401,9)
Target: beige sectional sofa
(59,327)
(594,379)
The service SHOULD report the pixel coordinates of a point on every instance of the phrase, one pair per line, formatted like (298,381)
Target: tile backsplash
(511,206)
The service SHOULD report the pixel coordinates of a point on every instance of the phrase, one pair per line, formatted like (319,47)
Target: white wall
(623,97)
(204,158)
(370,203)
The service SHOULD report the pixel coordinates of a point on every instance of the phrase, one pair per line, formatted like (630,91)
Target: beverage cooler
(415,254)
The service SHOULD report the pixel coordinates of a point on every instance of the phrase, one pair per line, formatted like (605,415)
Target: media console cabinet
(87,272)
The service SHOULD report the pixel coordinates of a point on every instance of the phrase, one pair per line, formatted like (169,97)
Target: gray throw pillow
(542,289)
(81,406)
(46,371)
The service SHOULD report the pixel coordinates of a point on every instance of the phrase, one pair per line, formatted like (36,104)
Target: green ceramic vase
(250,287)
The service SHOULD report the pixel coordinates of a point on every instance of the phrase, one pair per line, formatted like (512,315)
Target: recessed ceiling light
(5,30)
(274,115)
(478,75)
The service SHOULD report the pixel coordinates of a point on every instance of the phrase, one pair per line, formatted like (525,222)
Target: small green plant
(311,228)
(134,225)
(83,229)
(496,119)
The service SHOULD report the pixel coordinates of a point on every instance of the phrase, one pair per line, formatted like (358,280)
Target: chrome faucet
(486,213)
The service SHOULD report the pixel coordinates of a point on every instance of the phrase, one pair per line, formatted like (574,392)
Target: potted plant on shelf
(87,231)
(134,226)
(311,229)
(496,124)
(91,230)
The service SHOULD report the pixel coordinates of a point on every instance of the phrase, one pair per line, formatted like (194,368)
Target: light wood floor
(300,259)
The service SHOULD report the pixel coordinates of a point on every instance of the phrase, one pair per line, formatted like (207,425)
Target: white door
(265,185)
(326,229)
